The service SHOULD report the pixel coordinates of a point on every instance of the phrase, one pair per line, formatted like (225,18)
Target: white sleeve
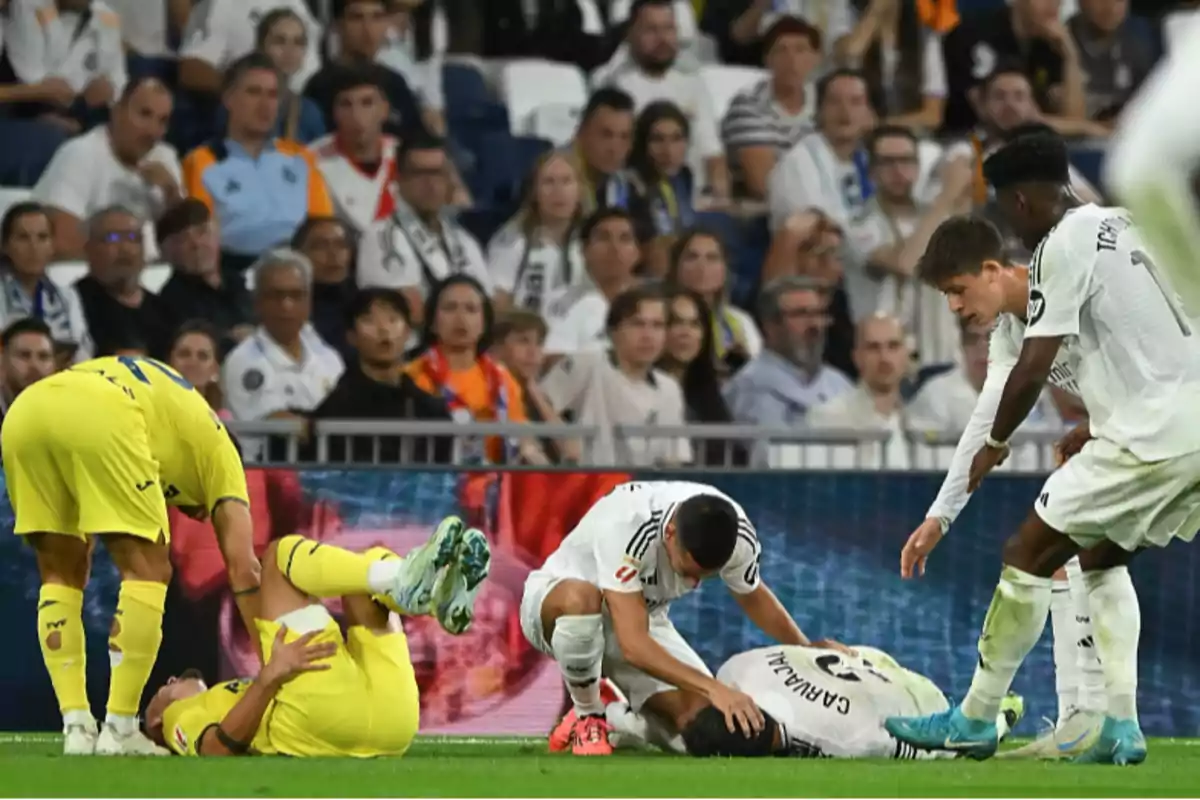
(566,381)
(679,449)
(1059,283)
(789,187)
(504,253)
(379,263)
(706,134)
(563,337)
(66,183)
(206,36)
(479,264)
(112,57)
(25,42)
(952,497)
(933,68)
(741,573)
(622,538)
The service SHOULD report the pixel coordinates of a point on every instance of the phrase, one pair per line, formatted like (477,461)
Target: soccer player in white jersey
(1153,165)
(965,259)
(1093,289)
(600,603)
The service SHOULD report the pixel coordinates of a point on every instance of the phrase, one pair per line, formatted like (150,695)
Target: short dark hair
(362,301)
(828,79)
(340,7)
(789,25)
(707,527)
(606,97)
(519,320)
(888,132)
(348,77)
(138,82)
(187,213)
(1028,129)
(602,215)
(300,237)
(1036,158)
(959,246)
(625,305)
(200,327)
(251,62)
(637,6)
(1007,67)
(415,142)
(23,326)
(24,208)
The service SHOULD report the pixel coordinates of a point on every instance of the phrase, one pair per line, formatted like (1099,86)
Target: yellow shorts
(77,461)
(366,704)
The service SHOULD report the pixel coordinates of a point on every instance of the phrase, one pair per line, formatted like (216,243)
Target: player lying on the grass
(99,451)
(600,603)
(816,703)
(1131,479)
(319,694)
(998,293)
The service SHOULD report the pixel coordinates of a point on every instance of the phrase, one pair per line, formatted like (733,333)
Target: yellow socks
(60,632)
(324,570)
(133,644)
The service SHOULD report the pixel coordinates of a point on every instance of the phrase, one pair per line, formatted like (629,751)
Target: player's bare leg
(64,563)
(134,639)
(574,628)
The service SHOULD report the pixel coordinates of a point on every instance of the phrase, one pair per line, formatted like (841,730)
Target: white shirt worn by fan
(219,32)
(810,175)
(577,321)
(360,199)
(41,41)
(535,272)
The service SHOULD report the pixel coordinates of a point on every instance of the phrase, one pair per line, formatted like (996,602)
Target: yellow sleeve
(222,473)
(185,721)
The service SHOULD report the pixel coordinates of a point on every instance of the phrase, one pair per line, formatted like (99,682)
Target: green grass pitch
(31,767)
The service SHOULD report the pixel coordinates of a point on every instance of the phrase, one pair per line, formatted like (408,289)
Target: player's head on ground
(1032,177)
(187,684)
(966,261)
(701,535)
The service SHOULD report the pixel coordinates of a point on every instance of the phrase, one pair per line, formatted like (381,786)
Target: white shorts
(637,686)
(1105,492)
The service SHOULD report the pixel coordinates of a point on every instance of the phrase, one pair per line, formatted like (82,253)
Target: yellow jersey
(185,721)
(199,464)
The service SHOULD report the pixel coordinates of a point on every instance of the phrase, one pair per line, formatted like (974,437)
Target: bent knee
(570,598)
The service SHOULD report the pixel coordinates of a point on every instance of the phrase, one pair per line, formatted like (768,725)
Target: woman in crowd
(193,354)
(281,35)
(699,262)
(537,255)
(26,247)
(658,162)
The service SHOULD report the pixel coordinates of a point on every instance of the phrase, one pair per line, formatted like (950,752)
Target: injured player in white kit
(821,704)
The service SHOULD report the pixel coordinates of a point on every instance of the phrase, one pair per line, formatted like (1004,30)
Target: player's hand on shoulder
(918,547)
(740,710)
(1072,443)
(835,645)
(290,659)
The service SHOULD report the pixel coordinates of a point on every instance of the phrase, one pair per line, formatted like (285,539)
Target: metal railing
(380,443)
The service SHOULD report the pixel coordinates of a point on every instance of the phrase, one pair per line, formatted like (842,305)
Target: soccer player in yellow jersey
(100,450)
(319,693)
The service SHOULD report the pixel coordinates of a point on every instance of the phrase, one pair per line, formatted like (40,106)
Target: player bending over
(1132,478)
(100,450)
(319,694)
(965,260)
(600,603)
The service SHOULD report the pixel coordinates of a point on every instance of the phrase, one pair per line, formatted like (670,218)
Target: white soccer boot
(79,737)
(112,743)
(1071,737)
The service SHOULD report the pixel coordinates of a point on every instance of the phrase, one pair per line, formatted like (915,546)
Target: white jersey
(1127,341)
(833,705)
(618,545)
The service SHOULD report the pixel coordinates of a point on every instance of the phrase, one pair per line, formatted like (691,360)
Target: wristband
(231,744)
(995,444)
(945,523)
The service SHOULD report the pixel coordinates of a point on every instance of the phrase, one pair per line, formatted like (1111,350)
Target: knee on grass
(707,735)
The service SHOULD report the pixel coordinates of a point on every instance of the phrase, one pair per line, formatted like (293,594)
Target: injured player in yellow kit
(816,702)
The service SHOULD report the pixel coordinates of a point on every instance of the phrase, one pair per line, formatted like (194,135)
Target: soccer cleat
(421,568)
(456,589)
(1121,742)
(589,737)
(1072,736)
(111,743)
(79,739)
(948,730)
(560,737)
(1012,711)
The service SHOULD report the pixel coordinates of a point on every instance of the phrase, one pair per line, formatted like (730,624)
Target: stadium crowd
(653,212)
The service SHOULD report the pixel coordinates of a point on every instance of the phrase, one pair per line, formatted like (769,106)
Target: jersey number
(1141,259)
(134,365)
(832,664)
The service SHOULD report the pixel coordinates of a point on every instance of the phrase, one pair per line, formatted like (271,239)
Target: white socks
(1091,674)
(642,730)
(578,645)
(1066,662)
(1117,621)
(381,575)
(1013,625)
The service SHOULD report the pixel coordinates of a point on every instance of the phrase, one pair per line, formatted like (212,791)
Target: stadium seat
(502,173)
(543,98)
(467,94)
(10,196)
(1089,160)
(26,147)
(724,82)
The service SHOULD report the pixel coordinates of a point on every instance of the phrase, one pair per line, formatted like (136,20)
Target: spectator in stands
(329,245)
(622,386)
(700,262)
(421,244)
(661,176)
(220,33)
(766,120)
(375,386)
(150,30)
(882,358)
(425,76)
(26,243)
(283,38)
(602,147)
(52,91)
(827,169)
(194,353)
(1028,34)
(647,73)
(26,356)
(198,289)
(610,252)
(76,40)
(454,364)
(125,162)
(741,26)
(1114,57)
(284,369)
(571,31)
(118,310)
(887,239)
(538,256)
(259,188)
(780,385)
(358,160)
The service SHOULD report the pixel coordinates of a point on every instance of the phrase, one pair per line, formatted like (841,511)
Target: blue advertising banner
(831,544)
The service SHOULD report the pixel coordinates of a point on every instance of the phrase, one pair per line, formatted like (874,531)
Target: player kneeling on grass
(319,693)
(600,603)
